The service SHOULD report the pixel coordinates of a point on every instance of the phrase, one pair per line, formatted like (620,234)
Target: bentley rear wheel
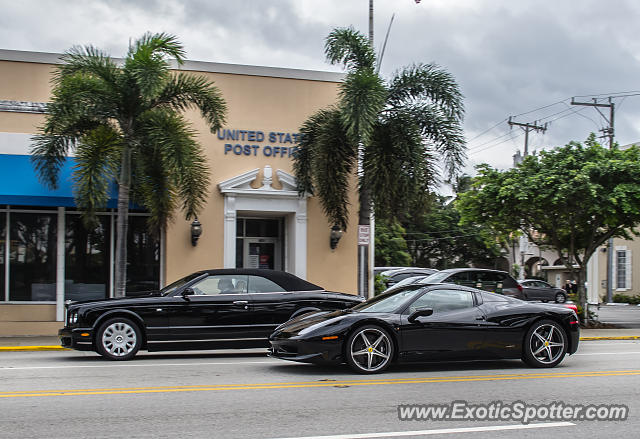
(545,344)
(369,349)
(118,339)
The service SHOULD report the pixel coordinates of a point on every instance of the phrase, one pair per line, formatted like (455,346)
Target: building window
(32,257)
(32,252)
(87,256)
(3,246)
(143,257)
(621,269)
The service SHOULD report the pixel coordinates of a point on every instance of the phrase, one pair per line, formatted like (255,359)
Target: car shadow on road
(311,370)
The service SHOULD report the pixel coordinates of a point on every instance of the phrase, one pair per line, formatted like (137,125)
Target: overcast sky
(509,57)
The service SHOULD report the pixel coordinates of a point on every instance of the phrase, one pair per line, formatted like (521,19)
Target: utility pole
(527,127)
(606,132)
(523,243)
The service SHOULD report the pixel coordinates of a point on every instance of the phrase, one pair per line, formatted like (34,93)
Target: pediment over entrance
(256,183)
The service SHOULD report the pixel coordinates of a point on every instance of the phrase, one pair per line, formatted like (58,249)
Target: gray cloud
(509,57)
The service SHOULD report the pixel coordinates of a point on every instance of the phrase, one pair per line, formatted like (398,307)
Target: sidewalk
(50,343)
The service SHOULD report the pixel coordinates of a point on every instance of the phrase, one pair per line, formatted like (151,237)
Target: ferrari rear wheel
(369,349)
(118,339)
(561,298)
(545,344)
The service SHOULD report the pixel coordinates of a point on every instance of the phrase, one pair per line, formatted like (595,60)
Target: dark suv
(489,280)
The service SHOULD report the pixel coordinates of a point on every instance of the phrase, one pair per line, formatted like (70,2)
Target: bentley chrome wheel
(370,350)
(118,339)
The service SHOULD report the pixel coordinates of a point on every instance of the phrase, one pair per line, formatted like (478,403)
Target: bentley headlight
(73,317)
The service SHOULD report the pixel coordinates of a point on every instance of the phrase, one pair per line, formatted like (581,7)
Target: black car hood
(117,301)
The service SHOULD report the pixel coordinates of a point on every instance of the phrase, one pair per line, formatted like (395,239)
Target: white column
(299,257)
(60,265)
(229,232)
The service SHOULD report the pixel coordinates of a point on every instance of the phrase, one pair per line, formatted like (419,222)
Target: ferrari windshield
(388,302)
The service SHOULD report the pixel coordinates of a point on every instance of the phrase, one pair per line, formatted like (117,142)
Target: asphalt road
(67,394)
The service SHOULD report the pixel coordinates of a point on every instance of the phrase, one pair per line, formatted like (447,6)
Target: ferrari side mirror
(420,312)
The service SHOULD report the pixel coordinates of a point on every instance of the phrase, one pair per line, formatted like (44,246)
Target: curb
(31,348)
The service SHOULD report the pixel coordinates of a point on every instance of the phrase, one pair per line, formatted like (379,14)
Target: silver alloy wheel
(560,298)
(547,343)
(119,339)
(371,349)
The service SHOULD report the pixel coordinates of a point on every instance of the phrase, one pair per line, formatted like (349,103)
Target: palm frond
(349,47)
(181,157)
(442,132)
(326,164)
(97,160)
(147,61)
(398,169)
(362,97)
(88,61)
(183,91)
(48,154)
(427,83)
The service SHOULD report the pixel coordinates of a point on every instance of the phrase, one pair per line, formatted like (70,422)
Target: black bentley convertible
(430,322)
(214,309)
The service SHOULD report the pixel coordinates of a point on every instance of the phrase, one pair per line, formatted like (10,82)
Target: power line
(487,130)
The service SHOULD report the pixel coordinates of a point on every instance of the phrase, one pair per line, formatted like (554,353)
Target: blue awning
(19,184)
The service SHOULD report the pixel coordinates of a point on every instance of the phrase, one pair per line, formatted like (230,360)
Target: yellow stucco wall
(255,103)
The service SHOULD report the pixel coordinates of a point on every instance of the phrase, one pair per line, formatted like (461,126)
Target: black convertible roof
(286,280)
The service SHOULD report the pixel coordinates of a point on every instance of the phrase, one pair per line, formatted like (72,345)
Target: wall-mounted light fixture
(196,231)
(334,237)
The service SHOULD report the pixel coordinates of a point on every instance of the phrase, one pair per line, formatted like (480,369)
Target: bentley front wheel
(118,339)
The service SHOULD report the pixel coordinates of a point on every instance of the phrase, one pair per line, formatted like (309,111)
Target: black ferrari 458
(430,322)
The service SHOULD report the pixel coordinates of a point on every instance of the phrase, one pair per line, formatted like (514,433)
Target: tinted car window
(221,284)
(401,276)
(259,284)
(443,301)
(388,302)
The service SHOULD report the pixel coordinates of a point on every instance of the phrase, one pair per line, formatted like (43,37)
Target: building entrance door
(259,243)
(262,253)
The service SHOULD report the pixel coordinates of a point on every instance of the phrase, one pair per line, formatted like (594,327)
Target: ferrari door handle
(240,302)
(480,318)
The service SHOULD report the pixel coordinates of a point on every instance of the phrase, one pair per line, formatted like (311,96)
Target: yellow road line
(314,384)
(33,348)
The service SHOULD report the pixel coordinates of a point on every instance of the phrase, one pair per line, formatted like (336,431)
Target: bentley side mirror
(187,292)
(420,312)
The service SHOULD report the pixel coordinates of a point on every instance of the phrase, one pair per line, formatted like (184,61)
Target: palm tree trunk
(122,224)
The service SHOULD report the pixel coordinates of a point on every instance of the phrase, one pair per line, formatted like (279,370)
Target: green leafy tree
(436,239)
(124,122)
(400,128)
(572,199)
(391,247)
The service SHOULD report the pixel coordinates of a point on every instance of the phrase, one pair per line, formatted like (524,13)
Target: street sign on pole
(364,235)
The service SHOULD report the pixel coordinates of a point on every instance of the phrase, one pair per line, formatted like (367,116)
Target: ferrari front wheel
(369,349)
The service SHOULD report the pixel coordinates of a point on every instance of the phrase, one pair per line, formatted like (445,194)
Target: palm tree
(124,122)
(405,132)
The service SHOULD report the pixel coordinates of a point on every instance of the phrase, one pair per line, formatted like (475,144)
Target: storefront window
(3,243)
(32,257)
(87,256)
(143,257)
